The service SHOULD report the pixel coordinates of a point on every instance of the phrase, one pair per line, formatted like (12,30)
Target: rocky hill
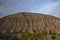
(29,22)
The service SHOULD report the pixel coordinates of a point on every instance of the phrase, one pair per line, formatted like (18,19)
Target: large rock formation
(29,22)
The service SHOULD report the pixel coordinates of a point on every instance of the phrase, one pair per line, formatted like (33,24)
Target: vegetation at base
(32,36)
(22,36)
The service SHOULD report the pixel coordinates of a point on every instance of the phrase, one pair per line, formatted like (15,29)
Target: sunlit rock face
(29,22)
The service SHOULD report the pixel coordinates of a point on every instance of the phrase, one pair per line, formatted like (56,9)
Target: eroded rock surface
(29,22)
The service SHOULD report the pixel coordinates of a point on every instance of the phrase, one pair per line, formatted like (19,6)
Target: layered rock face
(29,22)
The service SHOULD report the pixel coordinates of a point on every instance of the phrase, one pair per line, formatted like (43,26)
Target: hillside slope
(29,22)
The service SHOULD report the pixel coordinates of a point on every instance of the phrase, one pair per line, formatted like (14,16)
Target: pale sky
(50,7)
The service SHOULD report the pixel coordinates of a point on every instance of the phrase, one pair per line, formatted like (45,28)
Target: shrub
(24,36)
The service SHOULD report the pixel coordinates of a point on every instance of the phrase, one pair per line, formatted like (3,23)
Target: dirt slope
(29,22)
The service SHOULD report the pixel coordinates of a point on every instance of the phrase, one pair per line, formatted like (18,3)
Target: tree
(50,32)
(53,37)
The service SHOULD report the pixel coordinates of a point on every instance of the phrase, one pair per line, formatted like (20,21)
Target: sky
(49,7)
